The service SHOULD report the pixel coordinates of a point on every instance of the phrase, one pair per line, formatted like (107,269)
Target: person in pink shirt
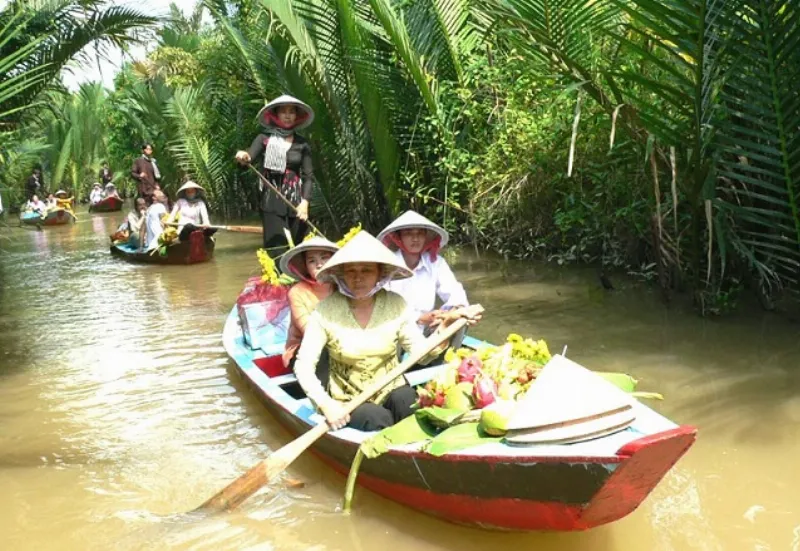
(304,262)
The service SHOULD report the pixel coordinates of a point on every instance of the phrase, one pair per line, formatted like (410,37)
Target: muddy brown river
(119,408)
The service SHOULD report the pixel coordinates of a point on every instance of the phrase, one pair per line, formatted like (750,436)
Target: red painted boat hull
(109,204)
(505,492)
(197,249)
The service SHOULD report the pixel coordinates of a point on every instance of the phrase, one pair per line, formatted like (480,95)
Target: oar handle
(284,199)
(430,343)
(259,475)
(240,229)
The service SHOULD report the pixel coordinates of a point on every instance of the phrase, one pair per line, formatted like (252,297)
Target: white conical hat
(110,185)
(60,192)
(286,99)
(365,248)
(190,185)
(288,264)
(411,219)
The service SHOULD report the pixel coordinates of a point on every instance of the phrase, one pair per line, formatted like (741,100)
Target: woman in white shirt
(110,191)
(96,195)
(192,210)
(153,226)
(417,241)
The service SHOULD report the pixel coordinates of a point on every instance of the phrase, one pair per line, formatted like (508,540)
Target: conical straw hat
(292,261)
(410,219)
(60,192)
(365,248)
(303,121)
(190,185)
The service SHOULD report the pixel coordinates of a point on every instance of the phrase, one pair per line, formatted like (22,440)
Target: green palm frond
(190,145)
(759,141)
(60,30)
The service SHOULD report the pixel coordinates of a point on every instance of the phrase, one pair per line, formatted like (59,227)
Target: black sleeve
(307,173)
(257,147)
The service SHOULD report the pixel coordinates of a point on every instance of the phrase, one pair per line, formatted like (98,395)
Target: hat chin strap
(345,290)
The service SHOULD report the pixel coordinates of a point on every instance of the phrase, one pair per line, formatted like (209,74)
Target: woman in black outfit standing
(286,163)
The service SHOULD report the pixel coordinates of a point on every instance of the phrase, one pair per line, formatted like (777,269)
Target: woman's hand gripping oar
(284,199)
(259,475)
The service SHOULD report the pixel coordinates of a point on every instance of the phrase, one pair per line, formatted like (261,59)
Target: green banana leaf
(619,380)
(459,437)
(437,416)
(409,430)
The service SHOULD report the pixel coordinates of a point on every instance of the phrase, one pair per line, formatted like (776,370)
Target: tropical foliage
(658,135)
(38,40)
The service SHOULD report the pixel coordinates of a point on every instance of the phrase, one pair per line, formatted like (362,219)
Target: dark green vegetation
(657,135)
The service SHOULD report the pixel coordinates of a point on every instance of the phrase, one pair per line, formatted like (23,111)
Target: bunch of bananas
(167,238)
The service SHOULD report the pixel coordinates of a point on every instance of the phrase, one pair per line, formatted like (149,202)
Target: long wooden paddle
(251,481)
(237,229)
(284,199)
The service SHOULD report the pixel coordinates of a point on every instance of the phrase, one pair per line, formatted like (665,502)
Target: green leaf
(438,417)
(619,380)
(409,430)
(459,437)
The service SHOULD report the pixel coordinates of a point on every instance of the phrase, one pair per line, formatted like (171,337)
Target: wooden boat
(494,486)
(199,248)
(109,204)
(52,217)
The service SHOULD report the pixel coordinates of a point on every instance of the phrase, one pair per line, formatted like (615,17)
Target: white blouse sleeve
(448,289)
(204,220)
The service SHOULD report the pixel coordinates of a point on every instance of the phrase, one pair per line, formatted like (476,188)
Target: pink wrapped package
(264,314)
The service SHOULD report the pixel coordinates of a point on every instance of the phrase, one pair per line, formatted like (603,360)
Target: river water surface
(119,407)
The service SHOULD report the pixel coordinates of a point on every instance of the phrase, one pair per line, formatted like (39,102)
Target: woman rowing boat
(286,164)
(190,210)
(360,325)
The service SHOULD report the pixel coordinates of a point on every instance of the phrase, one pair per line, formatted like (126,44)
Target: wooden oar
(259,475)
(237,229)
(284,199)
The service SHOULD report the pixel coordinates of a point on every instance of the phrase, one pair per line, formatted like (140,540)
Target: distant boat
(52,217)
(556,487)
(199,248)
(109,204)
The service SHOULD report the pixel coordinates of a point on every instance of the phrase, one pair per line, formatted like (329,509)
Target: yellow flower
(514,338)
(349,235)
(309,235)
(269,274)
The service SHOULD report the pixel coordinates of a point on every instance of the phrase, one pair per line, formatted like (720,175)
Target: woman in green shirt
(361,326)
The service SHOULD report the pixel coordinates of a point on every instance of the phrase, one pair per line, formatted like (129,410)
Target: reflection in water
(119,408)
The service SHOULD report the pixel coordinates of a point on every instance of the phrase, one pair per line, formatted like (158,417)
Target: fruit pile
(474,379)
(167,238)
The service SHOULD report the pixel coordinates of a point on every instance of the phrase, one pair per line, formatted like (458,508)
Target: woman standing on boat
(286,163)
(304,262)
(105,175)
(360,326)
(191,210)
(416,242)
